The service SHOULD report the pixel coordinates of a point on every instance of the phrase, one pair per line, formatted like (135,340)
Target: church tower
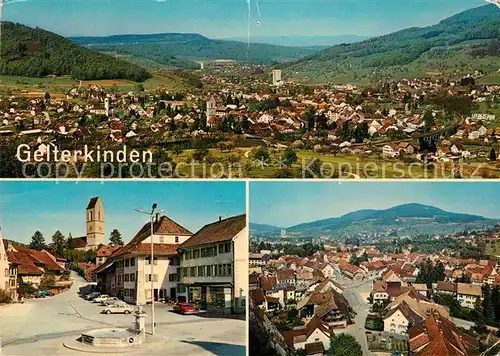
(95,223)
(211,110)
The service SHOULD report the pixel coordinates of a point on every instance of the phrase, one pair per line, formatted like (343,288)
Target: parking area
(40,326)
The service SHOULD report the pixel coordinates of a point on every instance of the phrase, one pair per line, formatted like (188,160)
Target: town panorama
(410,102)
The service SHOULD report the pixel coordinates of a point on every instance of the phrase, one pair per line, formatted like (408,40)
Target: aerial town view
(255,89)
(122,267)
(373,268)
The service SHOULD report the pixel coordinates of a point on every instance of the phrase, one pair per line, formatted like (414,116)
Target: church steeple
(95,222)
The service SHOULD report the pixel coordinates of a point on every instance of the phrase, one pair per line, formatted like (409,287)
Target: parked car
(185,308)
(92,295)
(101,298)
(110,300)
(118,308)
(42,294)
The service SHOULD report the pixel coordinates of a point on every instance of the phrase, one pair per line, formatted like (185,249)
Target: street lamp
(152,214)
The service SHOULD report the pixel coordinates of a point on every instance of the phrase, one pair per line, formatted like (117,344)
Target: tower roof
(93,202)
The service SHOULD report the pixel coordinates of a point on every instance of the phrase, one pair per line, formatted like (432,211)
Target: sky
(289,203)
(230,18)
(26,207)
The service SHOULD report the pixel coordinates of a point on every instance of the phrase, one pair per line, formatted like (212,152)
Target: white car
(118,308)
(101,298)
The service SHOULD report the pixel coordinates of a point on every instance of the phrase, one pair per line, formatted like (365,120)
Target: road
(40,326)
(356,293)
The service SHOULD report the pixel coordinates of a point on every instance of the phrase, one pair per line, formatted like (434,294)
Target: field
(35,87)
(493,248)
(339,166)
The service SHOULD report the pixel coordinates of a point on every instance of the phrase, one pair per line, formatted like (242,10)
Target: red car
(185,308)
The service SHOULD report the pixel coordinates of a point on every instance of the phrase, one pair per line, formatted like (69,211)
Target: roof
(92,202)
(469,289)
(407,312)
(41,257)
(267,283)
(446,286)
(258,296)
(79,242)
(24,262)
(439,336)
(291,336)
(107,250)
(219,231)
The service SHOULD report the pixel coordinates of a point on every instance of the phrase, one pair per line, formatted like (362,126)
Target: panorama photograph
(250,88)
(123,267)
(409,268)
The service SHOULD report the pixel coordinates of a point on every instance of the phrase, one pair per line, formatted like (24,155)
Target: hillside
(442,48)
(34,52)
(402,219)
(180,49)
(256,229)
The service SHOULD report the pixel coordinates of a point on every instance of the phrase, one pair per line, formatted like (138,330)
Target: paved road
(40,326)
(356,293)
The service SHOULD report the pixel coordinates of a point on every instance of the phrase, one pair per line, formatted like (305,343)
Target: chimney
(157,217)
(221,218)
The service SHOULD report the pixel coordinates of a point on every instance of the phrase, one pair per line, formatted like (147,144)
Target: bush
(4,297)
(25,289)
(374,323)
(48,282)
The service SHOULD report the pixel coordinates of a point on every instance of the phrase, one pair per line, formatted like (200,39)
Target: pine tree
(70,242)
(58,243)
(116,237)
(37,241)
(493,155)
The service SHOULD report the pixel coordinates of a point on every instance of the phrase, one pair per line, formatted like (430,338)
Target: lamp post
(152,214)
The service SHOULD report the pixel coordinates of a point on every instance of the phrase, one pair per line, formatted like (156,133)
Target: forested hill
(35,52)
(164,47)
(465,34)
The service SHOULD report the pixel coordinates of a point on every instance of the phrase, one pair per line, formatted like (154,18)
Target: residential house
(213,265)
(314,338)
(437,335)
(399,318)
(468,295)
(104,252)
(8,272)
(130,272)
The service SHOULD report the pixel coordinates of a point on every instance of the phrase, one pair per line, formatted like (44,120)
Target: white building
(127,274)
(214,265)
(277,77)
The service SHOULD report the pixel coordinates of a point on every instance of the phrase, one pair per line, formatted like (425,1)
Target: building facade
(214,266)
(131,274)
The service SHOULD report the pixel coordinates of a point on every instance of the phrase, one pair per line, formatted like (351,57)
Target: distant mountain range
(461,41)
(407,219)
(182,49)
(34,52)
(256,229)
(302,41)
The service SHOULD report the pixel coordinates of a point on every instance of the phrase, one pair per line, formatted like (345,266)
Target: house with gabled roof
(315,337)
(127,272)
(213,265)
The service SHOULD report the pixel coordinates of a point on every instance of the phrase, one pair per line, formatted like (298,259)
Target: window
(215,270)
(172,277)
(221,270)
(132,277)
(221,248)
(209,271)
(127,262)
(229,270)
(119,279)
(177,239)
(127,276)
(201,271)
(192,271)
(181,288)
(6,272)
(196,253)
(162,239)
(155,278)
(132,261)
(227,247)
(155,260)
(203,252)
(148,278)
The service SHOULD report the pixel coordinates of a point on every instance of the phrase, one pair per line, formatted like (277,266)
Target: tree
(344,345)
(493,155)
(37,241)
(70,242)
(311,116)
(290,156)
(262,154)
(428,120)
(116,237)
(58,243)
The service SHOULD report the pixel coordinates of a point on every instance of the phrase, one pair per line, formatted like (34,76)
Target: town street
(40,326)
(356,293)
